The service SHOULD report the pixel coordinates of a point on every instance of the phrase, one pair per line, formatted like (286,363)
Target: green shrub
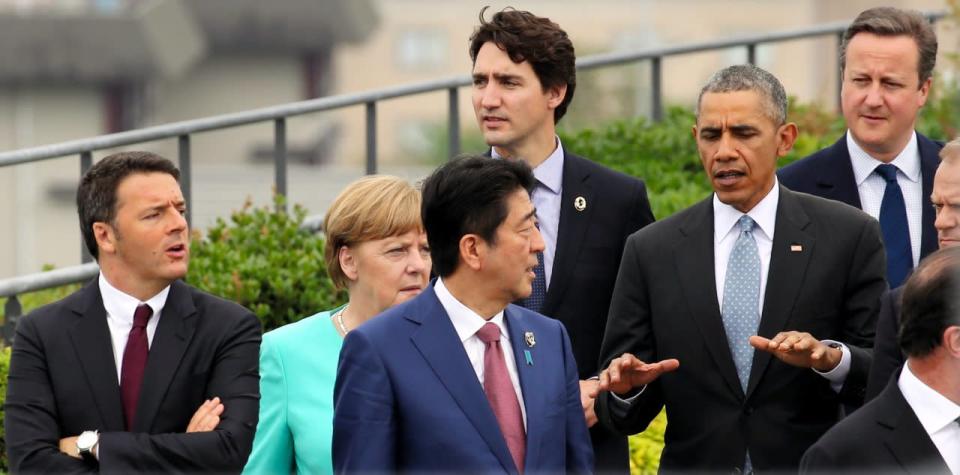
(4,370)
(264,261)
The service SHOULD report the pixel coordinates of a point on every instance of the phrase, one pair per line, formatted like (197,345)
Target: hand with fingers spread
(799,349)
(627,372)
(207,416)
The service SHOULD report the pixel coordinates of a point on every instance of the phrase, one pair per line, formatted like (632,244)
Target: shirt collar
(725,217)
(549,172)
(908,161)
(933,409)
(465,321)
(121,306)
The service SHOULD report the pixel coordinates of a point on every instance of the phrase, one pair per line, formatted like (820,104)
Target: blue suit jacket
(829,174)
(407,399)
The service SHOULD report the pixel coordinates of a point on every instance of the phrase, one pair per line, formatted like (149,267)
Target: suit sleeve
(866,283)
(642,214)
(364,423)
(235,380)
(629,330)
(579,446)
(273,442)
(32,431)
(886,353)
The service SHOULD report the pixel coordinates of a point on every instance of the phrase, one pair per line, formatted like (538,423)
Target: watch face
(86,440)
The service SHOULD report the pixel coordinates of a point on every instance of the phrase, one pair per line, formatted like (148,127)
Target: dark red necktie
(134,362)
(502,396)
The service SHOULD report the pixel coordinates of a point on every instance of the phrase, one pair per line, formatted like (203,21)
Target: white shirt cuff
(837,375)
(625,403)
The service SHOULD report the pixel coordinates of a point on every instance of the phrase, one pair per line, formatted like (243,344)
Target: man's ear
(348,262)
(951,341)
(106,237)
(472,251)
(555,95)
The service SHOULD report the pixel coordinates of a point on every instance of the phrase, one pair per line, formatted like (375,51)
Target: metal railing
(183,131)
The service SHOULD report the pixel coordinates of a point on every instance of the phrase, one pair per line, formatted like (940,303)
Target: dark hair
(97,193)
(468,196)
(931,302)
(889,21)
(537,40)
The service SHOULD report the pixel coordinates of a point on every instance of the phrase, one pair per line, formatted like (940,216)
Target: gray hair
(747,77)
(950,152)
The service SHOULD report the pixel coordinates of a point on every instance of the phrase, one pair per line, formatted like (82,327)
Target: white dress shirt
(725,233)
(546,197)
(871,185)
(467,323)
(120,308)
(937,414)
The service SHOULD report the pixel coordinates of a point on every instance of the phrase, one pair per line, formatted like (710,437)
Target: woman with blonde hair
(375,248)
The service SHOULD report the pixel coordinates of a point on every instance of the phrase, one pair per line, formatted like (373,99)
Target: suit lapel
(438,342)
(695,263)
(94,352)
(906,438)
(929,160)
(571,230)
(174,332)
(836,180)
(792,248)
(531,383)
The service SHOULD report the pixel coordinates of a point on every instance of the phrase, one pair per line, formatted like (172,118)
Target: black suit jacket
(63,380)
(887,357)
(884,436)
(826,276)
(589,247)
(829,173)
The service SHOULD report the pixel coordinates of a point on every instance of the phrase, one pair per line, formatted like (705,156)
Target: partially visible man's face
(881,93)
(946,200)
(511,260)
(509,101)
(739,145)
(151,245)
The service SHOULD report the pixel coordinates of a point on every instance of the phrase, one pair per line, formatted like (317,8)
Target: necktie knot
(888,172)
(746,224)
(142,315)
(489,333)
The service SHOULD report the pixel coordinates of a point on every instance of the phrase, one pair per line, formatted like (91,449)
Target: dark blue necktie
(893,225)
(539,294)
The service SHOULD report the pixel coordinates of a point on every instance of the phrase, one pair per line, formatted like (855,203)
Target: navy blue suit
(408,400)
(828,173)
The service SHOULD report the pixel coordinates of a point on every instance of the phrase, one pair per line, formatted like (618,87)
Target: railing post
(752,54)
(839,71)
(656,108)
(280,158)
(11,313)
(453,123)
(371,137)
(183,157)
(86,162)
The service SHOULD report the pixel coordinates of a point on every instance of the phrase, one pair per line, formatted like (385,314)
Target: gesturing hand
(627,372)
(799,349)
(207,416)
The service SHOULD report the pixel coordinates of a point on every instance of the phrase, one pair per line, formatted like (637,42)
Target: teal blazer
(298,367)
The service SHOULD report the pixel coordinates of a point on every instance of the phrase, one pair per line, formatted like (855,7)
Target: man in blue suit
(459,379)
(882,165)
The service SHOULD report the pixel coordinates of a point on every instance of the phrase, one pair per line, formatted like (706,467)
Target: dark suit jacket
(408,400)
(63,381)
(589,248)
(829,173)
(887,357)
(884,436)
(665,306)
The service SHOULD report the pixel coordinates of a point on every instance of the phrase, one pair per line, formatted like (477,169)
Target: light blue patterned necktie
(741,297)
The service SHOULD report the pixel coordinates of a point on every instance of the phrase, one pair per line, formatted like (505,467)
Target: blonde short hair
(373,207)
(950,152)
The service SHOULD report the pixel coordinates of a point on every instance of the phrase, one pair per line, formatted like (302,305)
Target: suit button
(748,410)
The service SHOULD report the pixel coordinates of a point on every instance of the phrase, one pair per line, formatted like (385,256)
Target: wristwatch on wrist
(85,444)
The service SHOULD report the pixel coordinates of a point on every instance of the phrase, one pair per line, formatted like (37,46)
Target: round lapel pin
(580,203)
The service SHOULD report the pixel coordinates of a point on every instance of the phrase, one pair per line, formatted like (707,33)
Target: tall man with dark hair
(524,77)
(882,165)
(459,380)
(753,267)
(137,372)
(913,426)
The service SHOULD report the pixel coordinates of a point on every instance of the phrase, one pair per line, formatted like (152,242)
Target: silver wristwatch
(86,442)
